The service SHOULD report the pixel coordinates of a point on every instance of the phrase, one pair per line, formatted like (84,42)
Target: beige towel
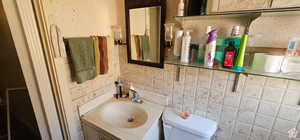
(97,54)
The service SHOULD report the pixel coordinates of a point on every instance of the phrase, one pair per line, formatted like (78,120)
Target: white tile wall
(264,121)
(262,108)
(259,133)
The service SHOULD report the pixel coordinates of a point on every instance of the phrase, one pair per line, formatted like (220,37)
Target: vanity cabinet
(91,133)
(285,3)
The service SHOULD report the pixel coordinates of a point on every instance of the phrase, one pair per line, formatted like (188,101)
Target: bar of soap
(185,115)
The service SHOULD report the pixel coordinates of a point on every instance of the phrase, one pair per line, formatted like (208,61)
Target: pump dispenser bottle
(186,44)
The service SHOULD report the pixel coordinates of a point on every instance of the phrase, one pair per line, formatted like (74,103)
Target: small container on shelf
(200,55)
(293,47)
(194,52)
(229,55)
(273,63)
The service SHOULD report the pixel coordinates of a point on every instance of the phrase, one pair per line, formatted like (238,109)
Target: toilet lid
(194,124)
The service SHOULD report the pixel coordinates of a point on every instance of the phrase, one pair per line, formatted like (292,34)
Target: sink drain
(130,120)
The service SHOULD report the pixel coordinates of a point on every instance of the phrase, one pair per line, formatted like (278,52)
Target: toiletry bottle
(235,37)
(131,89)
(208,30)
(200,55)
(185,50)
(229,55)
(178,42)
(291,50)
(210,49)
(194,52)
(239,62)
(180,11)
(201,50)
(219,56)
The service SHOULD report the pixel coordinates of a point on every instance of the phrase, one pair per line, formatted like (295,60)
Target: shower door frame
(24,30)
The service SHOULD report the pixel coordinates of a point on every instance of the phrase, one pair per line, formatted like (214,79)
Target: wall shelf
(248,71)
(240,14)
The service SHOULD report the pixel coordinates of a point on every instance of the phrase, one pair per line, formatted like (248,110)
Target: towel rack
(84,36)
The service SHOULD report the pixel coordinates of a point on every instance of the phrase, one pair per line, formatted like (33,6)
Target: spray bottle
(210,49)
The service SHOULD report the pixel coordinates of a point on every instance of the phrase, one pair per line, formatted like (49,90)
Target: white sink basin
(123,114)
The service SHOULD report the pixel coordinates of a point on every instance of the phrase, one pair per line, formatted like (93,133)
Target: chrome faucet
(135,96)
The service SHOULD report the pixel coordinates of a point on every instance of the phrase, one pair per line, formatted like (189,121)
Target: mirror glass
(145,25)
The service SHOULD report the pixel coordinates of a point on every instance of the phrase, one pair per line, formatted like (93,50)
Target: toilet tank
(193,128)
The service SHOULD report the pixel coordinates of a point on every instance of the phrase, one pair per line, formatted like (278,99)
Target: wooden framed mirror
(145,32)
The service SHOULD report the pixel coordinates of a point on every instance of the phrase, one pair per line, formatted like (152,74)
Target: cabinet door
(285,3)
(90,133)
(242,5)
(212,6)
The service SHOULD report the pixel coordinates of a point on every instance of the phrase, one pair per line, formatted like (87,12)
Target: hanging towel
(133,48)
(97,54)
(103,54)
(83,59)
(145,47)
(138,47)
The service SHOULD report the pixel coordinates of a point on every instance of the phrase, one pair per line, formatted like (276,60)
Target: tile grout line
(279,107)
(209,93)
(196,92)
(224,92)
(239,106)
(259,102)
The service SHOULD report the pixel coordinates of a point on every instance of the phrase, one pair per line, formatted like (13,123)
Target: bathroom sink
(123,114)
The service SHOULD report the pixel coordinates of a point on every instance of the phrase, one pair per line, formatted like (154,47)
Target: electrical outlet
(293,133)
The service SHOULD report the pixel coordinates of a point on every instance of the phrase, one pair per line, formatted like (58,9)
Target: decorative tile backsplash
(261,109)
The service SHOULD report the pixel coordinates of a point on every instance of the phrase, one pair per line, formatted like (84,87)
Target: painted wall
(78,18)
(11,75)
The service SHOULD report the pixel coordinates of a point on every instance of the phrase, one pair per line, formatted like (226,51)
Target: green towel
(145,47)
(83,58)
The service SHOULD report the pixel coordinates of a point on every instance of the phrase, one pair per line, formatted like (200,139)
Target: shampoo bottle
(210,49)
(180,11)
(186,44)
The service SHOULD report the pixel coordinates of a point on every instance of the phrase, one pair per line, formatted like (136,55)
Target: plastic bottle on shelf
(229,55)
(235,37)
(292,48)
(178,42)
(180,11)
(186,44)
(210,49)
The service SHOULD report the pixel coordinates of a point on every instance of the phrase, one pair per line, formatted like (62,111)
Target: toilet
(193,128)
